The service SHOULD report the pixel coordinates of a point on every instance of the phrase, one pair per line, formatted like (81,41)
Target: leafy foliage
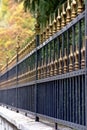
(14,21)
(46,7)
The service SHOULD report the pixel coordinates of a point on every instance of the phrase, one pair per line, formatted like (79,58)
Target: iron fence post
(7,77)
(86,63)
(37,31)
(17,81)
(17,49)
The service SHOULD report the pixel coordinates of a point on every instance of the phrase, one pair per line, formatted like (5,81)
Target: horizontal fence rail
(48,77)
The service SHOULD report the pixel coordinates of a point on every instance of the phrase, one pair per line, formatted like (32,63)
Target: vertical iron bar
(40,55)
(62,51)
(79,104)
(57,99)
(60,99)
(54,51)
(41,62)
(37,43)
(49,90)
(73,42)
(58,51)
(78,100)
(44,98)
(83,101)
(44,55)
(50,51)
(76,96)
(67,99)
(46,58)
(53,99)
(75,100)
(68,51)
(7,80)
(17,81)
(64,99)
(73,95)
(70,98)
(79,42)
(86,62)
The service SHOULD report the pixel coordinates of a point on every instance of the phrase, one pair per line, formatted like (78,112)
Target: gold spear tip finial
(59,16)
(47,23)
(63,9)
(54,16)
(18,41)
(7,58)
(74,2)
(68,5)
(37,23)
(50,18)
(17,47)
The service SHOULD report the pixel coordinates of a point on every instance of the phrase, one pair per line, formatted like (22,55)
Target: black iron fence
(48,77)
